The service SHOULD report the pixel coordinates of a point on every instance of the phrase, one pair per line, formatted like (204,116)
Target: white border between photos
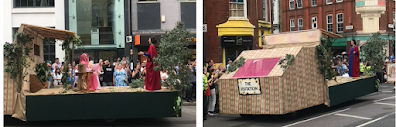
(1,59)
(199,59)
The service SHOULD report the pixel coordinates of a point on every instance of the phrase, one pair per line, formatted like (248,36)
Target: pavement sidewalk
(185,103)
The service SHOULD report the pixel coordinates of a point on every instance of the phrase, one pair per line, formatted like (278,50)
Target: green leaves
(374,53)
(289,59)
(42,71)
(236,64)
(173,51)
(138,83)
(323,55)
(16,56)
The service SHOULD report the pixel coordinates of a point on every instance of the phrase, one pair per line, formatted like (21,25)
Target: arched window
(95,16)
(110,14)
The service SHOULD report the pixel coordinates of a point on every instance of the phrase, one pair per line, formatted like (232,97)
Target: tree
(374,52)
(173,51)
(16,56)
(323,55)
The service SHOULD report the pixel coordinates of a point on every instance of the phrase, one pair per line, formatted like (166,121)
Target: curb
(185,103)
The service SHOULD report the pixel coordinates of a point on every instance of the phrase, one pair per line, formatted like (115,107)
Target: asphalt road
(373,110)
(187,120)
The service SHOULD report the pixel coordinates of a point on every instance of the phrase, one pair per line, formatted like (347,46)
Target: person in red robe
(353,62)
(152,79)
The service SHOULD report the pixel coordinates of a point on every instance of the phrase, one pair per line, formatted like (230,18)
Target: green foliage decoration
(374,53)
(66,47)
(173,51)
(42,71)
(177,106)
(323,55)
(236,64)
(16,56)
(138,83)
(289,59)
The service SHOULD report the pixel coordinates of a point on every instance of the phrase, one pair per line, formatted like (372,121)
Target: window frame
(329,23)
(291,7)
(329,1)
(244,11)
(14,2)
(339,1)
(314,5)
(300,4)
(316,22)
(298,24)
(292,25)
(341,22)
(265,10)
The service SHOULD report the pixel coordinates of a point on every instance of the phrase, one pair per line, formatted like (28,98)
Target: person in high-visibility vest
(361,68)
(205,97)
(367,69)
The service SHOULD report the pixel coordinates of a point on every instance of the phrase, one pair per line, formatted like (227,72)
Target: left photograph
(100,62)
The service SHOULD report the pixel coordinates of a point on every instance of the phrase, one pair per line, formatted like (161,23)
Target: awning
(240,27)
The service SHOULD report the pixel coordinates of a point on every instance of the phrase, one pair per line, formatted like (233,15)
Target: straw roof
(44,32)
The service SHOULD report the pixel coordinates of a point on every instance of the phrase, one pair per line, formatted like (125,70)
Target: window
(340,22)
(329,2)
(33,3)
(147,0)
(110,14)
(314,23)
(264,10)
(291,4)
(95,16)
(338,1)
(299,24)
(329,20)
(237,8)
(292,27)
(299,3)
(49,49)
(313,3)
(36,50)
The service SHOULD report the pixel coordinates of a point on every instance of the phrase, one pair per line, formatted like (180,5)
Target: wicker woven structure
(297,87)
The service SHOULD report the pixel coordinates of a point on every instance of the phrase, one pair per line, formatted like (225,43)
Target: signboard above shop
(236,41)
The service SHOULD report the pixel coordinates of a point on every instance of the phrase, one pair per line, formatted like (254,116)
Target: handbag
(207,91)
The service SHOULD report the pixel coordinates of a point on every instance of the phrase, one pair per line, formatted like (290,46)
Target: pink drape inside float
(256,68)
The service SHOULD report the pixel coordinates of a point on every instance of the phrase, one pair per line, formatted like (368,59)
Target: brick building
(353,19)
(231,26)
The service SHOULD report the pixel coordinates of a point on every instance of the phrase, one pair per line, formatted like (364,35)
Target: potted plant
(42,72)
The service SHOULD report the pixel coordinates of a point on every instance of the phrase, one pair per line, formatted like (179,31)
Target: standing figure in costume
(96,69)
(353,62)
(153,79)
(92,84)
(119,76)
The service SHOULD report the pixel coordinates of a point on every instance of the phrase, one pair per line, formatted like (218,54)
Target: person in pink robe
(93,83)
(152,79)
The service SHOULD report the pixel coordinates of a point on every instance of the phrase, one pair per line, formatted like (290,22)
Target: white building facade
(45,13)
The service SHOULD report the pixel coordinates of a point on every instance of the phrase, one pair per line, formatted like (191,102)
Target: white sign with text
(249,86)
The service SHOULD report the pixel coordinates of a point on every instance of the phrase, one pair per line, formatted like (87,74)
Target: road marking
(384,104)
(372,121)
(387,91)
(315,118)
(384,98)
(353,116)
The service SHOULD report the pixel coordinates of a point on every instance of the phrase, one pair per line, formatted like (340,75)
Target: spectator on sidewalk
(205,96)
(191,90)
(108,71)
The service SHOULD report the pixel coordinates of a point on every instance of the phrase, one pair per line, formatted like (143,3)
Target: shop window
(340,23)
(237,9)
(329,20)
(33,3)
(95,16)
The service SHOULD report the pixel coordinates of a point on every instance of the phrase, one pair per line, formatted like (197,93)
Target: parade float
(286,76)
(25,97)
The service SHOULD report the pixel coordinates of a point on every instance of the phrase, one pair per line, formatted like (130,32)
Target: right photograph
(299,63)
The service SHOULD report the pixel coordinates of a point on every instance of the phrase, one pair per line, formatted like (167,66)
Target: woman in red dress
(353,55)
(152,79)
